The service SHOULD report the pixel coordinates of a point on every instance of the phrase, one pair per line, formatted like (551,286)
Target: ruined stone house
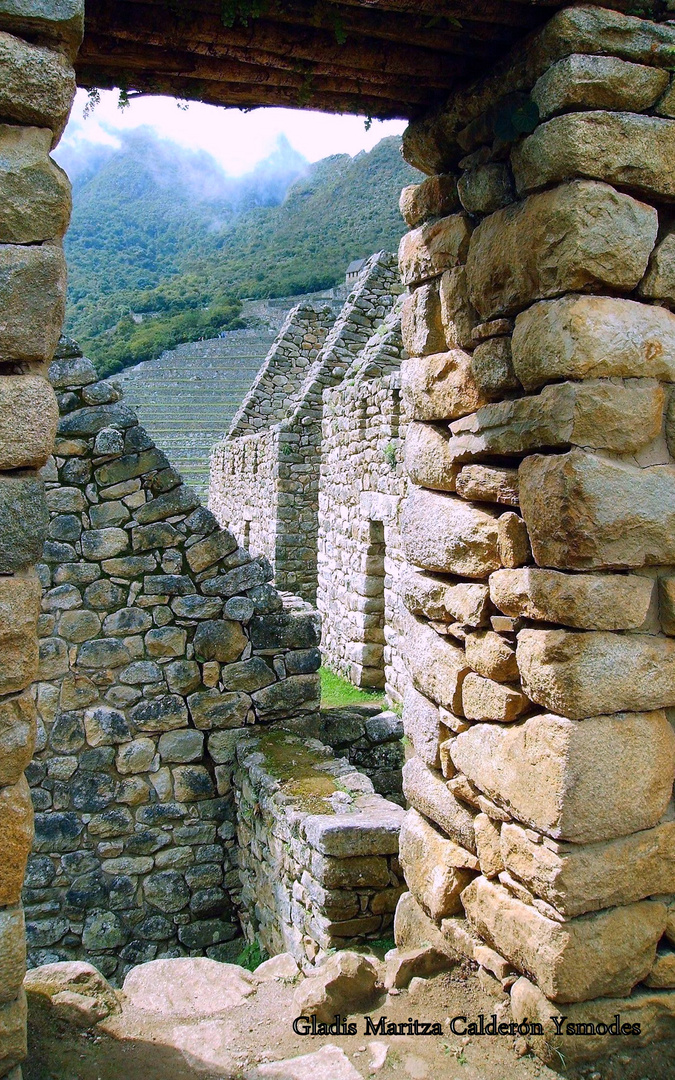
(538,530)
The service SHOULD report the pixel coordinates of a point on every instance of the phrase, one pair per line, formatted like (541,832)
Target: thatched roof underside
(379,58)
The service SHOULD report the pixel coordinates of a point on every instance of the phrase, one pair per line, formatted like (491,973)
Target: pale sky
(236,139)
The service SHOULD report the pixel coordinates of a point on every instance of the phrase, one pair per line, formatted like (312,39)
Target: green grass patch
(252,956)
(336,692)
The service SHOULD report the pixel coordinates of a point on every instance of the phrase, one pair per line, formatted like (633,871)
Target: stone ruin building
(538,532)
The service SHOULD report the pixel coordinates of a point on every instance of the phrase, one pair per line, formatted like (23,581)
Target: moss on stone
(296,767)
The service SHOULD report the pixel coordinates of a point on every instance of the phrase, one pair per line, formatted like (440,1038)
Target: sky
(237,140)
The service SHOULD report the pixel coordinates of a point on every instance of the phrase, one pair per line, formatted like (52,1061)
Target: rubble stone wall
(317,848)
(160,640)
(281,463)
(37,47)
(540,593)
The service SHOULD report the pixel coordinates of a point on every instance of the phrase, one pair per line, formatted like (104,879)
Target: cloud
(237,140)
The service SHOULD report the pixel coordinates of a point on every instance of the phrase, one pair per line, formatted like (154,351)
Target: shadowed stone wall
(37,84)
(539,529)
(161,639)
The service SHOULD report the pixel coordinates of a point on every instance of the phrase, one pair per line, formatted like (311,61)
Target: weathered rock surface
(405,965)
(421,324)
(618,147)
(187,987)
(413,929)
(596,413)
(587,512)
(485,699)
(659,281)
(436,666)
(38,85)
(492,655)
(436,869)
(488,483)
(448,535)
(576,878)
(35,192)
(434,197)
(422,726)
(32,293)
(648,1014)
(428,458)
(457,313)
(19,611)
(13,1046)
(582,337)
(17,736)
(442,386)
(443,601)
(16,829)
(583,601)
(486,188)
(589,957)
(583,781)
(586,674)
(283,966)
(328,1063)
(344,982)
(426,792)
(488,845)
(597,82)
(434,247)
(578,236)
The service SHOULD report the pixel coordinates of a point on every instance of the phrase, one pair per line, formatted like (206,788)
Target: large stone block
(587,512)
(596,413)
(24,520)
(439,245)
(426,791)
(35,192)
(659,281)
(28,419)
(437,667)
(449,535)
(598,82)
(580,781)
(13,1042)
(32,297)
(485,699)
(12,952)
(429,460)
(436,869)
(38,84)
(576,878)
(581,337)
(583,601)
(19,612)
(441,386)
(17,736)
(619,147)
(445,601)
(582,674)
(434,197)
(589,957)
(422,726)
(60,21)
(645,1017)
(16,833)
(457,313)
(577,237)
(421,324)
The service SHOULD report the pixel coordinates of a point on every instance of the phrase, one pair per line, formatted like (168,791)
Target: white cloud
(238,140)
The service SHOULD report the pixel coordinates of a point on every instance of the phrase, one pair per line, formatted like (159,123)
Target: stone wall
(161,639)
(369,739)
(271,479)
(540,530)
(37,46)
(318,849)
(361,484)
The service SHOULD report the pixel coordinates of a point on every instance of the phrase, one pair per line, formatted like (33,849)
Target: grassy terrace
(187,397)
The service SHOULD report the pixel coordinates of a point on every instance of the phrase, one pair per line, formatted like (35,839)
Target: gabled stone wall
(270,479)
(539,532)
(161,640)
(362,482)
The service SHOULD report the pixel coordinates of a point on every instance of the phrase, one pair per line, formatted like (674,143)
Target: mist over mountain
(163,244)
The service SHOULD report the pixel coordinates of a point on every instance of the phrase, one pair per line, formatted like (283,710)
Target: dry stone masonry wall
(161,639)
(361,486)
(37,47)
(264,486)
(318,849)
(540,330)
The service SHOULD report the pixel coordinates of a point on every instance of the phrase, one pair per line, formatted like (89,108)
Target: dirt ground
(260,1030)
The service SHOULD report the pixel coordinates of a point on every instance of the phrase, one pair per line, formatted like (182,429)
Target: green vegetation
(252,956)
(336,692)
(163,245)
